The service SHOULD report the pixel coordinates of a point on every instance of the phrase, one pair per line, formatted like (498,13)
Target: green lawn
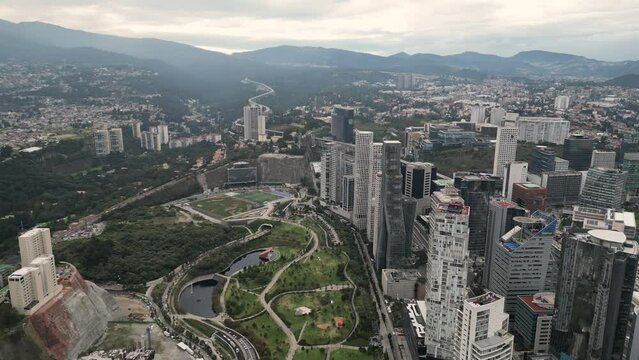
(223,206)
(267,337)
(348,354)
(203,328)
(239,302)
(258,197)
(310,354)
(325,306)
(324,267)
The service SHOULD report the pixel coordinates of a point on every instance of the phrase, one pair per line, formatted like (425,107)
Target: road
(386,326)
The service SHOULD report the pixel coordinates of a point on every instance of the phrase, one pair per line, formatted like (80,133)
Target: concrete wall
(288,169)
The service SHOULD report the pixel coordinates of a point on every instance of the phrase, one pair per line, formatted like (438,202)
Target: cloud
(604,30)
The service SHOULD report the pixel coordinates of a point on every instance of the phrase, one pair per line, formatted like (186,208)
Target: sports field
(259,197)
(223,206)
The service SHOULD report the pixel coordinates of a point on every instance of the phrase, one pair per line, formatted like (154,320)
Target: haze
(602,30)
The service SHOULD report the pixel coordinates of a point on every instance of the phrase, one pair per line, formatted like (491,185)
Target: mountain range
(203,71)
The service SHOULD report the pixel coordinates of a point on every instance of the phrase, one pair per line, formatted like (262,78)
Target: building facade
(604,159)
(604,189)
(538,130)
(505,149)
(594,295)
(363,145)
(342,124)
(578,151)
(416,182)
(515,172)
(533,321)
(562,187)
(374,194)
(476,190)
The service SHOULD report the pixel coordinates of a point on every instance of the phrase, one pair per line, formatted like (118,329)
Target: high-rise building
(476,190)
(542,159)
(562,187)
(478,114)
(34,243)
(482,331)
(593,300)
(374,194)
(501,214)
(505,149)
(363,145)
(533,321)
(136,129)
(337,161)
(578,151)
(150,140)
(261,128)
(515,172)
(521,263)
(102,142)
(116,141)
(497,115)
(446,270)
(562,102)
(604,159)
(342,124)
(632,347)
(405,82)
(163,130)
(394,223)
(604,189)
(543,130)
(348,192)
(416,183)
(252,114)
(631,166)
(36,282)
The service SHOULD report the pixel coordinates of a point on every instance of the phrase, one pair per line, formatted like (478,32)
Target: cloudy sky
(606,30)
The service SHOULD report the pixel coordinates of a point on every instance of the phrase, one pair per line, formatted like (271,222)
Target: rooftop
(541,302)
(608,235)
(485,299)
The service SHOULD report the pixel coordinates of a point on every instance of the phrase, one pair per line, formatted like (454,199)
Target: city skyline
(596,30)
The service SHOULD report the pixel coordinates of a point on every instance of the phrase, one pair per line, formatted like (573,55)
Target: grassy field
(239,302)
(257,196)
(310,354)
(324,267)
(348,354)
(274,340)
(325,306)
(223,206)
(203,328)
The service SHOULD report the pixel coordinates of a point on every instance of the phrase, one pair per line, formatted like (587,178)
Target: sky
(605,30)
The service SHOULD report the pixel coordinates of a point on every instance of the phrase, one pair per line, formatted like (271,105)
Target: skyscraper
(501,214)
(631,166)
(505,149)
(34,243)
(416,183)
(478,114)
(604,159)
(578,151)
(515,172)
(363,145)
(252,114)
(392,234)
(116,141)
(542,159)
(337,161)
(101,142)
(562,187)
(446,270)
(562,102)
(482,332)
(497,115)
(476,190)
(163,130)
(342,124)
(594,295)
(604,189)
(348,192)
(374,194)
(521,263)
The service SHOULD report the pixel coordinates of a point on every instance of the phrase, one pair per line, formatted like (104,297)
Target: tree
(5,151)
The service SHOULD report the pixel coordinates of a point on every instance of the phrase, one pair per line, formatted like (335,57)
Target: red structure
(530,196)
(266,254)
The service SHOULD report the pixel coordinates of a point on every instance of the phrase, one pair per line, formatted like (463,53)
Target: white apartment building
(374,195)
(34,243)
(363,145)
(252,114)
(478,114)
(116,140)
(136,129)
(603,159)
(543,130)
(562,102)
(150,140)
(163,131)
(446,270)
(482,330)
(36,282)
(497,115)
(101,142)
(505,149)
(514,172)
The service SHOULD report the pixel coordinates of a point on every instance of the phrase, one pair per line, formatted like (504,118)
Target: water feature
(197,297)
